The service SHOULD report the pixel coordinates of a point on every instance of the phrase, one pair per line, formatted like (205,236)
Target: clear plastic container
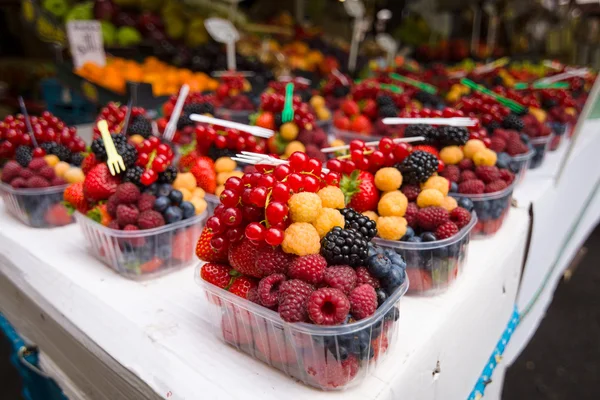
(37,208)
(559,130)
(145,253)
(326,125)
(241,116)
(540,147)
(324,357)
(491,209)
(519,165)
(348,136)
(212,201)
(432,267)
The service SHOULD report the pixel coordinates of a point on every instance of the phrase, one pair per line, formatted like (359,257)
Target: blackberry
(427,99)
(133,175)
(453,135)
(384,100)
(23,155)
(140,126)
(341,91)
(168,176)
(77,159)
(497,81)
(129,154)
(513,122)
(48,147)
(98,149)
(214,152)
(388,111)
(305,95)
(360,223)
(344,247)
(549,103)
(430,133)
(62,152)
(119,139)
(492,126)
(199,108)
(418,167)
(184,120)
(278,121)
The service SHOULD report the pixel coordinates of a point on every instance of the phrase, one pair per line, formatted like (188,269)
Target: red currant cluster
(371,159)
(226,138)
(114,114)
(46,129)
(279,86)
(193,98)
(154,157)
(256,205)
(522,97)
(370,89)
(484,107)
(303,116)
(557,98)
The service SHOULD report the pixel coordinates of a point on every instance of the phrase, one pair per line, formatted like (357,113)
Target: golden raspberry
(304,207)
(327,219)
(472,147)
(449,203)
(430,197)
(437,182)
(317,101)
(388,179)
(332,197)
(225,164)
(302,239)
(293,147)
(219,190)
(289,131)
(485,157)
(323,114)
(371,215)
(337,143)
(392,204)
(391,228)
(451,155)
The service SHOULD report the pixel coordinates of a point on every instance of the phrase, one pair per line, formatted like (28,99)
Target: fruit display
(295,270)
(232,99)
(210,175)
(216,142)
(114,115)
(34,178)
(195,103)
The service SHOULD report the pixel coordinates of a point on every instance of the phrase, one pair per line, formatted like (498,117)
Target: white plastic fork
(454,121)
(374,143)
(564,75)
(253,130)
(172,124)
(115,161)
(248,157)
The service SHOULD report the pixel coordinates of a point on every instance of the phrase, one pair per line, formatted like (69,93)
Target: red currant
(386,145)
(252,214)
(215,225)
(163,149)
(258,197)
(154,141)
(221,142)
(274,236)
(276,212)
(231,216)
(298,161)
(333,178)
(160,163)
(148,177)
(38,152)
(246,196)
(311,183)
(255,232)
(281,192)
(334,165)
(142,159)
(266,181)
(234,184)
(234,234)
(356,155)
(294,182)
(314,166)
(229,198)
(348,167)
(357,144)
(378,158)
(218,242)
(282,171)
(441,166)
(145,146)
(401,151)
(363,164)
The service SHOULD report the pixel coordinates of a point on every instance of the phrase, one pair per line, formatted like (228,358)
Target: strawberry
(151,266)
(266,120)
(88,163)
(183,245)
(350,108)
(369,108)
(276,145)
(360,191)
(242,258)
(73,195)
(217,274)
(187,161)
(99,184)
(204,172)
(58,215)
(242,286)
(361,124)
(342,122)
(427,149)
(100,215)
(206,252)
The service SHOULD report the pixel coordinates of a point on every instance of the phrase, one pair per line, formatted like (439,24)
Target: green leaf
(95,215)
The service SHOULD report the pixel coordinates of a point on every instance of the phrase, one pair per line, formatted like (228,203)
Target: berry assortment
(232,100)
(195,103)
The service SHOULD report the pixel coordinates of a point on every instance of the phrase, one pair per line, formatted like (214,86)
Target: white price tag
(85,40)
(221,30)
(354,8)
(386,42)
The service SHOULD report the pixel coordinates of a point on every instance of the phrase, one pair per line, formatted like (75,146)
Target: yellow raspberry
(451,155)
(391,228)
(225,164)
(304,207)
(219,190)
(323,114)
(302,239)
(392,204)
(51,159)
(449,203)
(223,176)
(293,147)
(332,197)
(187,194)
(371,215)
(430,197)
(437,182)
(388,179)
(317,102)
(327,219)
(337,143)
(485,157)
(199,204)
(61,168)
(472,147)
(289,131)
(136,139)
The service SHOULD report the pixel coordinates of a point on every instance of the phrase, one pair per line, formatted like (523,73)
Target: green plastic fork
(391,88)
(419,85)
(288,107)
(511,104)
(541,85)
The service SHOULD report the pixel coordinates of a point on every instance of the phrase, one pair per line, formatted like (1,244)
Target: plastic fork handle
(172,124)
(109,145)
(233,125)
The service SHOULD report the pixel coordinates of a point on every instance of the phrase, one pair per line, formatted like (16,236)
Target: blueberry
(164,252)
(503,160)
(465,203)
(188,209)
(454,187)
(164,189)
(410,232)
(376,330)
(397,259)
(525,138)
(374,250)
(176,197)
(428,237)
(379,265)
(393,314)
(341,353)
(415,239)
(173,214)
(393,280)
(152,189)
(381,296)
(161,204)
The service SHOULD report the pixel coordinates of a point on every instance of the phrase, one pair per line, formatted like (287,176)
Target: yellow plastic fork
(115,161)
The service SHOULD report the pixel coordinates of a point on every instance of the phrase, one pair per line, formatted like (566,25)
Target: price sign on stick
(223,31)
(85,39)
(355,9)
(389,45)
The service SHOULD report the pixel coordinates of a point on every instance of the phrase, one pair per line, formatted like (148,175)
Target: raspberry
(392,204)
(328,218)
(272,260)
(11,170)
(243,286)
(487,174)
(515,146)
(466,164)
(301,239)
(127,193)
(391,228)
(430,197)
(498,144)
(127,214)
(411,192)
(328,306)
(460,217)
(304,207)
(485,157)
(502,134)
(446,230)
(113,225)
(36,164)
(331,197)
(451,172)
(242,258)
(111,206)
(437,182)
(363,301)
(451,155)
(363,276)
(150,219)
(467,175)
(58,181)
(388,179)
(26,174)
(18,183)
(431,217)
(135,241)
(473,186)
(47,172)
(411,215)
(507,176)
(340,277)
(293,299)
(268,289)
(495,186)
(330,373)
(146,202)
(37,182)
(216,274)
(309,268)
